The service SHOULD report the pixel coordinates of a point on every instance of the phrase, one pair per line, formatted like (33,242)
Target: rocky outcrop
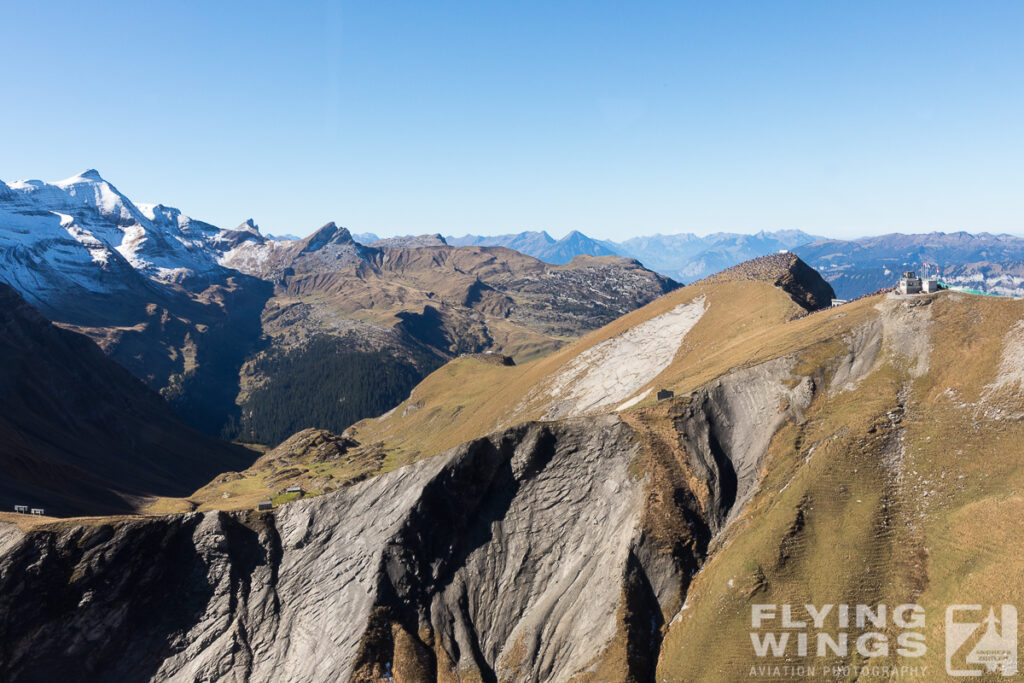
(784,270)
(507,558)
(728,424)
(805,285)
(411,242)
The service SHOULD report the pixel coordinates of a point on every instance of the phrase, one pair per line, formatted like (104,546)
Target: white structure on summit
(910,283)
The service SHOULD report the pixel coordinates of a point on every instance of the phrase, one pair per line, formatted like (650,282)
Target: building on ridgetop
(910,283)
(664,394)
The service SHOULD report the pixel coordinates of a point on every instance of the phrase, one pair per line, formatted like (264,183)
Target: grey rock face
(411,242)
(527,555)
(505,557)
(729,424)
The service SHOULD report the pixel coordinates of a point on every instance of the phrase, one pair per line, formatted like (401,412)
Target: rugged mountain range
(219,321)
(411,241)
(143,281)
(418,305)
(690,257)
(81,236)
(79,434)
(555,520)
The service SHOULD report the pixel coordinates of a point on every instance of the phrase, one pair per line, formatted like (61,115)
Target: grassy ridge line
(746,323)
(899,490)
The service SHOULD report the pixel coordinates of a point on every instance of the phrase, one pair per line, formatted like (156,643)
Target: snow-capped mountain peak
(82,233)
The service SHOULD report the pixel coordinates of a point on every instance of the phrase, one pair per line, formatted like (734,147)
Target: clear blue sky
(615,118)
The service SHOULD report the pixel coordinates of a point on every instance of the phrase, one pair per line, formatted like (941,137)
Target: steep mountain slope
(859,455)
(80,435)
(620,365)
(982,261)
(304,585)
(83,233)
(141,280)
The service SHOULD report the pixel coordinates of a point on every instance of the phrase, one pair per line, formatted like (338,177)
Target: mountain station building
(910,283)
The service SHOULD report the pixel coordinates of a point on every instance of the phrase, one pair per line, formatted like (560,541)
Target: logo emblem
(976,643)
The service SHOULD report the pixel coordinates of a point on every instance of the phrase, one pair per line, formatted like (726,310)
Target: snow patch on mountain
(609,373)
(252,257)
(81,232)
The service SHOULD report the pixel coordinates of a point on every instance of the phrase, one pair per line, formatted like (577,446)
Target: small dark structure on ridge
(265,505)
(665,393)
(294,489)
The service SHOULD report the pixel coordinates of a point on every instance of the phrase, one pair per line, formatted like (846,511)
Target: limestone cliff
(505,557)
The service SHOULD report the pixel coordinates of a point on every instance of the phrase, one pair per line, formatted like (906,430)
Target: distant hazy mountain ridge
(541,245)
(684,256)
(990,263)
